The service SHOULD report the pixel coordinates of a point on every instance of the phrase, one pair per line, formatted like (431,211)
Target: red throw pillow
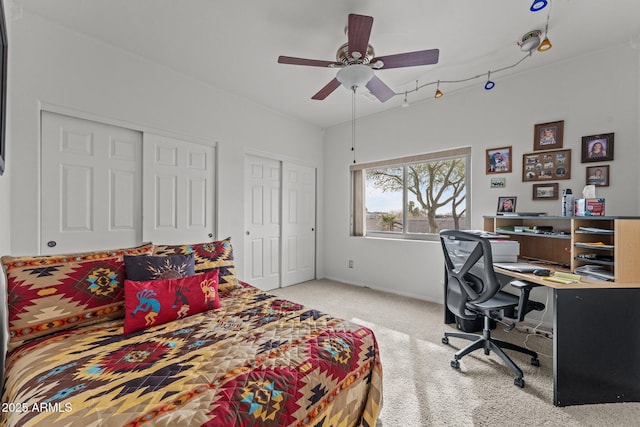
(156,302)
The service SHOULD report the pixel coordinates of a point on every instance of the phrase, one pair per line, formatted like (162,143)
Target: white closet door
(298,223)
(262,222)
(179,191)
(91,185)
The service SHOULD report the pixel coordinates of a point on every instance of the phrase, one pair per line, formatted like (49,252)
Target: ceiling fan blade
(327,90)
(303,61)
(379,89)
(409,59)
(358,32)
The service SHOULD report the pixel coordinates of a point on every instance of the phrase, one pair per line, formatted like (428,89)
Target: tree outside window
(425,196)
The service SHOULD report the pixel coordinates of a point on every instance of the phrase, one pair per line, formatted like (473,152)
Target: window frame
(358,183)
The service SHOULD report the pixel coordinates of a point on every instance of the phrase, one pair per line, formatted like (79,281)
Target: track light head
(538,5)
(438,93)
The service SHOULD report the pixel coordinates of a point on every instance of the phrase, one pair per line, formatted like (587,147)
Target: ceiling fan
(356,60)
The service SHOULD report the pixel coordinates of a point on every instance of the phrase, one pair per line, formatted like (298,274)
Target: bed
(78,357)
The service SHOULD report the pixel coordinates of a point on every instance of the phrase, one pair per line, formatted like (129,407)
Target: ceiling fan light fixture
(354,76)
(538,5)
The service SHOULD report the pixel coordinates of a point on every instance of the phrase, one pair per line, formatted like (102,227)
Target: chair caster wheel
(455,364)
(535,362)
(445,340)
(519,382)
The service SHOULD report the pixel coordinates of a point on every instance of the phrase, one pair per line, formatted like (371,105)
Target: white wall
(55,66)
(593,94)
(5,197)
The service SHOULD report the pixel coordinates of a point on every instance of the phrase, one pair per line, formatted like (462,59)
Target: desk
(596,324)
(596,339)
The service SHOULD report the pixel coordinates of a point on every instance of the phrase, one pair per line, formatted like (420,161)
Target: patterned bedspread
(258,360)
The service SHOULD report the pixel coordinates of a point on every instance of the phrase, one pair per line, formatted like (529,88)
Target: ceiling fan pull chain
(353,122)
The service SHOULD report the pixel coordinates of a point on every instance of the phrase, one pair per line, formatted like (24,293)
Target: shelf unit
(612,242)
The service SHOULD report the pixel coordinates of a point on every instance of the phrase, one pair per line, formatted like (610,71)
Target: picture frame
(546,191)
(598,175)
(506,204)
(548,136)
(597,148)
(498,182)
(498,160)
(546,165)
(3,88)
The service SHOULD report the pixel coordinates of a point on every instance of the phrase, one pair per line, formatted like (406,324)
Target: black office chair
(473,291)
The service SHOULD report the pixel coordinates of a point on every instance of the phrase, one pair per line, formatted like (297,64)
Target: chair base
(489,344)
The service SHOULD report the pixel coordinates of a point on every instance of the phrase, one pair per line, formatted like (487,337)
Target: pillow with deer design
(155,302)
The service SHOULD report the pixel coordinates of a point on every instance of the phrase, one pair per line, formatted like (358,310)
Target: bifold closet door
(91,187)
(298,223)
(262,222)
(179,191)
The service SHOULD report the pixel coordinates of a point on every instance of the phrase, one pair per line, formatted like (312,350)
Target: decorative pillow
(208,256)
(155,302)
(47,294)
(144,267)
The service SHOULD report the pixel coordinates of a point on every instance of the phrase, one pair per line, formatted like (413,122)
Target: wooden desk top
(585,283)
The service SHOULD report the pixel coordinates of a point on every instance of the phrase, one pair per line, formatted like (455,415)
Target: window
(412,197)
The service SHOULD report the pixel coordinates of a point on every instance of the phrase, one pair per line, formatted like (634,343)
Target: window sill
(403,237)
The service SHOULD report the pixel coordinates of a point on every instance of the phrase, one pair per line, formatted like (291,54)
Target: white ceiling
(234,45)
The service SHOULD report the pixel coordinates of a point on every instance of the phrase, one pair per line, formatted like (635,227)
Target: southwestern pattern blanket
(257,360)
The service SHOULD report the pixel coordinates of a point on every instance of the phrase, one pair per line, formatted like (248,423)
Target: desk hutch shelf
(612,242)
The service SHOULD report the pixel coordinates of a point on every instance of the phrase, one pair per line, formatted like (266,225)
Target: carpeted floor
(420,387)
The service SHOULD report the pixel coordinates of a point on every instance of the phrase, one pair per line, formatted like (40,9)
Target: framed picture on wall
(548,136)
(547,191)
(498,160)
(598,175)
(498,182)
(597,148)
(546,165)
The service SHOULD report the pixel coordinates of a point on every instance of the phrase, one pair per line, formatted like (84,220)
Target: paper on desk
(589,192)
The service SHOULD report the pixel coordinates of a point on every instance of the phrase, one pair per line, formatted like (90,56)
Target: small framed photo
(597,148)
(498,182)
(548,136)
(545,191)
(546,165)
(598,175)
(498,160)
(506,204)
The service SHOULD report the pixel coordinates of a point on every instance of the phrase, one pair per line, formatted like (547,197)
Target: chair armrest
(524,305)
(520,284)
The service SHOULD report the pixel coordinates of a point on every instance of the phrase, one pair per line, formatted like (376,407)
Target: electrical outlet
(350,263)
